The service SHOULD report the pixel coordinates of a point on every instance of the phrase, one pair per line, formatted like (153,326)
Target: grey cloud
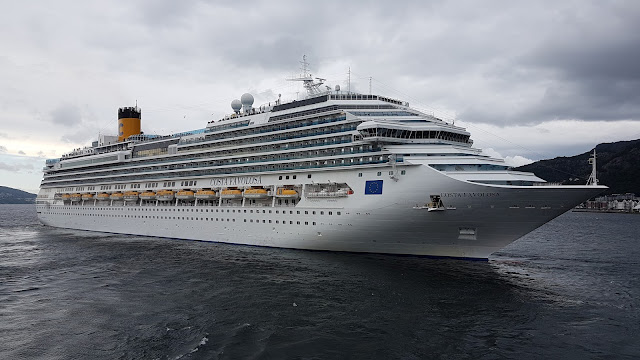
(84,135)
(21,152)
(16,167)
(3,149)
(68,115)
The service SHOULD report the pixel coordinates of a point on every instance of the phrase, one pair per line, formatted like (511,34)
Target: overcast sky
(529,80)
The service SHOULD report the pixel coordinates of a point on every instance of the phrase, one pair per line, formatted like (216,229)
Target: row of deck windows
(375,159)
(271,127)
(230,161)
(234,150)
(414,134)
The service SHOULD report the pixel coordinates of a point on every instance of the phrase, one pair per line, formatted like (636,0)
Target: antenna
(313,88)
(593,180)
(369,85)
(349,81)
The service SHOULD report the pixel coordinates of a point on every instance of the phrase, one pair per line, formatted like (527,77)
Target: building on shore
(612,203)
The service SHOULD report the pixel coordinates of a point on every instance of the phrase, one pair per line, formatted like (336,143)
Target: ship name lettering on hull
(236,181)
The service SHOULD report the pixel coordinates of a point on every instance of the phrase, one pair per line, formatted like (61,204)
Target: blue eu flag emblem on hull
(373,187)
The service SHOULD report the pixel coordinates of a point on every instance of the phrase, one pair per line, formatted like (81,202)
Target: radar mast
(308,81)
(593,180)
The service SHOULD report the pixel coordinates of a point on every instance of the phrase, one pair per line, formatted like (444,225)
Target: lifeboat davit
(165,195)
(87,196)
(103,197)
(205,194)
(231,194)
(257,193)
(187,195)
(131,196)
(148,195)
(117,196)
(287,193)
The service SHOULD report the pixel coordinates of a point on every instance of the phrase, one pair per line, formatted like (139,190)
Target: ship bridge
(413,132)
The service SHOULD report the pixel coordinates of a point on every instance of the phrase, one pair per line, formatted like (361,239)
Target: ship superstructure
(336,171)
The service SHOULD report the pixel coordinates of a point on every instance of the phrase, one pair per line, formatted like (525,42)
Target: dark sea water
(569,290)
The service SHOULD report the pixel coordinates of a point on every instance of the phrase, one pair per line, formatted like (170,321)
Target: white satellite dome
(246,99)
(236,105)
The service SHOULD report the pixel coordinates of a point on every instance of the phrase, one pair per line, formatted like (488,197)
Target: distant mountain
(14,196)
(618,166)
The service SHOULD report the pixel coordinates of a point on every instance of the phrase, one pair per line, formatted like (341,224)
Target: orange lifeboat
(206,194)
(165,195)
(185,195)
(131,196)
(256,193)
(287,193)
(231,194)
(148,195)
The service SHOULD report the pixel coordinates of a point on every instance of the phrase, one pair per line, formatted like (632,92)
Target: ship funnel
(128,122)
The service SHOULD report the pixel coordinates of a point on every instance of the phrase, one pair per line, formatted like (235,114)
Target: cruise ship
(337,171)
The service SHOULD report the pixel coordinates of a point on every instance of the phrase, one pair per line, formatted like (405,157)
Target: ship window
(379,173)
(287,177)
(403,172)
(280,177)
(294,176)
(309,176)
(313,223)
(359,174)
(321,212)
(330,213)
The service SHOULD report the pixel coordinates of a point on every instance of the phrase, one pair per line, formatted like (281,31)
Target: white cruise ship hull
(474,221)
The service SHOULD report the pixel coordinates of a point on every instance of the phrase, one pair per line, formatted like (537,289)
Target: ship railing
(263,169)
(251,162)
(269,127)
(546,184)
